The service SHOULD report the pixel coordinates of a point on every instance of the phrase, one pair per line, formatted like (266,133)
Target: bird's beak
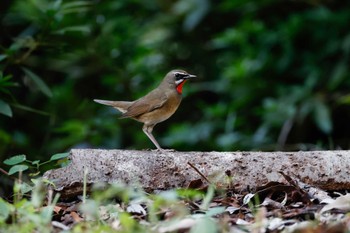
(190,76)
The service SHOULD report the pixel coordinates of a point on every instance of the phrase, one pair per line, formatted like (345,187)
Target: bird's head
(177,78)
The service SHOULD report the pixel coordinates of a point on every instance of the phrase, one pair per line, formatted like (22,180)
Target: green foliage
(205,225)
(38,82)
(59,156)
(5,83)
(109,208)
(27,170)
(20,163)
(271,75)
(15,160)
(17,169)
(27,215)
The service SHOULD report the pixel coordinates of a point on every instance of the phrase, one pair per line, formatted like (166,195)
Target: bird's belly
(160,114)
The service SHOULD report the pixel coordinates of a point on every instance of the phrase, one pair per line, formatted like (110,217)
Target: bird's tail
(105,102)
(120,105)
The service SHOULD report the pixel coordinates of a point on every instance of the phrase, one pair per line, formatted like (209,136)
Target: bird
(156,106)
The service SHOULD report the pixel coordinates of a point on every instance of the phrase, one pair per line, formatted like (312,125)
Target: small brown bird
(157,106)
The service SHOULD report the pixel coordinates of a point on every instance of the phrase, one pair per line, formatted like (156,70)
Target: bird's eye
(178,76)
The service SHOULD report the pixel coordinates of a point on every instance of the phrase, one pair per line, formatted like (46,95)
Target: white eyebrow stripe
(182,73)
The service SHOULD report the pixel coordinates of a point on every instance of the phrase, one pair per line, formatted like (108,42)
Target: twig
(3,171)
(84,185)
(200,173)
(286,128)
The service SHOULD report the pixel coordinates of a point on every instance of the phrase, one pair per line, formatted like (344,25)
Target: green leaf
(46,214)
(215,211)
(5,109)
(47,182)
(37,195)
(26,188)
(34,174)
(35,181)
(29,109)
(36,162)
(207,199)
(39,82)
(4,210)
(339,74)
(126,221)
(75,7)
(75,4)
(196,14)
(17,168)
(15,160)
(189,193)
(204,225)
(2,57)
(59,156)
(82,29)
(344,99)
(323,117)
(5,83)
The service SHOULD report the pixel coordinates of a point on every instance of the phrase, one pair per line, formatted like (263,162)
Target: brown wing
(148,103)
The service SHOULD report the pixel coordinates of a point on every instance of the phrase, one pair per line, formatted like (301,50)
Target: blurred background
(272,75)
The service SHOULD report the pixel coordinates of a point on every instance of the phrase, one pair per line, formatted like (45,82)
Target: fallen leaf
(136,209)
(341,203)
(76,216)
(178,225)
(195,184)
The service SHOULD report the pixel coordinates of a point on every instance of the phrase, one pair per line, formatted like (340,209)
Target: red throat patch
(179,87)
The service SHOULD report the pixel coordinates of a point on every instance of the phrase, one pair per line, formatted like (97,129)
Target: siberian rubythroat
(155,107)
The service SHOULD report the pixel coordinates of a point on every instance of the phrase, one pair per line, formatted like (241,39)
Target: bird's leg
(147,129)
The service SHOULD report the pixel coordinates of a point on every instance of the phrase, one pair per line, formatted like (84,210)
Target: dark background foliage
(271,74)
